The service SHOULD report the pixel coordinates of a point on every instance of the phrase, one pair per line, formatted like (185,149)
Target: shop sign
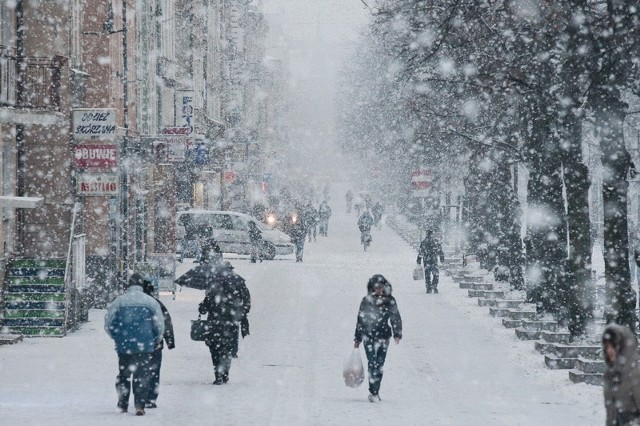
(98,184)
(96,156)
(94,124)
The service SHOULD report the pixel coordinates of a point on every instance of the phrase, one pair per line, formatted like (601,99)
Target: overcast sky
(314,37)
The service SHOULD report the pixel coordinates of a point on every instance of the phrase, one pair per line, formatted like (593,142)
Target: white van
(231,232)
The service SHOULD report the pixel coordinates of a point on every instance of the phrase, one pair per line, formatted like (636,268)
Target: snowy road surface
(455,365)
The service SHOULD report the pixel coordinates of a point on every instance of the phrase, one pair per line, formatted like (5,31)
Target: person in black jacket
(156,360)
(239,289)
(429,252)
(377,309)
(224,308)
(255,238)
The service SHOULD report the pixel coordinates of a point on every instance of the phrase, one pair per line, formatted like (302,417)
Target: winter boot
(374,398)
(218,380)
(139,411)
(435,290)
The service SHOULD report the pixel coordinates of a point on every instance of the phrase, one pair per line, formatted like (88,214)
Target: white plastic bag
(353,370)
(418,273)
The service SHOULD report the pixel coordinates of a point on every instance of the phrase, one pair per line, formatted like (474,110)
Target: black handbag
(199,329)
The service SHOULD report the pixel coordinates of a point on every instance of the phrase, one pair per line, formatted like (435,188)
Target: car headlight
(271,219)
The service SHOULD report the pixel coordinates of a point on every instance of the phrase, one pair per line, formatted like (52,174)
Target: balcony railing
(30,82)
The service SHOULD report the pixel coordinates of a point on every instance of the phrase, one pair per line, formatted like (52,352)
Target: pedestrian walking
(190,244)
(135,322)
(310,218)
(298,232)
(429,252)
(255,239)
(324,213)
(348,198)
(211,252)
(224,308)
(156,359)
(622,376)
(377,310)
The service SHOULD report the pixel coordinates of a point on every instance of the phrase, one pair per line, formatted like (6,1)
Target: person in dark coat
(224,308)
(622,376)
(298,232)
(239,288)
(135,322)
(156,359)
(377,310)
(211,252)
(255,239)
(365,221)
(310,218)
(429,252)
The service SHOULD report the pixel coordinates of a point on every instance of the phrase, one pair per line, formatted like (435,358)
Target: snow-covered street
(456,365)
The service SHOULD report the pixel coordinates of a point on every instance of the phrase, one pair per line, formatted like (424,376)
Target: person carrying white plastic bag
(353,370)
(377,310)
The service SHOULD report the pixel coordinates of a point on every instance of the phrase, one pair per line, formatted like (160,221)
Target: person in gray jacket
(622,376)
(136,324)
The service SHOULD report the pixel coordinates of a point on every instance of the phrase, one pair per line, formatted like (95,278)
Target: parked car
(231,231)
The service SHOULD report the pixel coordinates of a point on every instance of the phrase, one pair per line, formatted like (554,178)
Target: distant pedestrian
(429,252)
(224,308)
(211,252)
(156,360)
(377,310)
(324,213)
(135,322)
(377,211)
(622,376)
(310,218)
(298,232)
(255,239)
(348,198)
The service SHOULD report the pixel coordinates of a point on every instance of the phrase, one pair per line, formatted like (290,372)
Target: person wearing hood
(378,320)
(136,324)
(622,376)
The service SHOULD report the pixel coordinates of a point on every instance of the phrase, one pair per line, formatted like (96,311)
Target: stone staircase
(582,360)
(34,299)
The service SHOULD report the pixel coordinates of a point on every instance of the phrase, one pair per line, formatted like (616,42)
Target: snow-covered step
(520,314)
(10,339)
(568,351)
(487,294)
(523,334)
(563,337)
(591,366)
(472,285)
(540,325)
(577,376)
(502,303)
(556,363)
(511,323)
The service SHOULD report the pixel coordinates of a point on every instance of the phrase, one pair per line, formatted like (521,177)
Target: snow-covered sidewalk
(455,366)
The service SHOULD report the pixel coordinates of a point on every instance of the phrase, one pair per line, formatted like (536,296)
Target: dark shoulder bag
(199,329)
